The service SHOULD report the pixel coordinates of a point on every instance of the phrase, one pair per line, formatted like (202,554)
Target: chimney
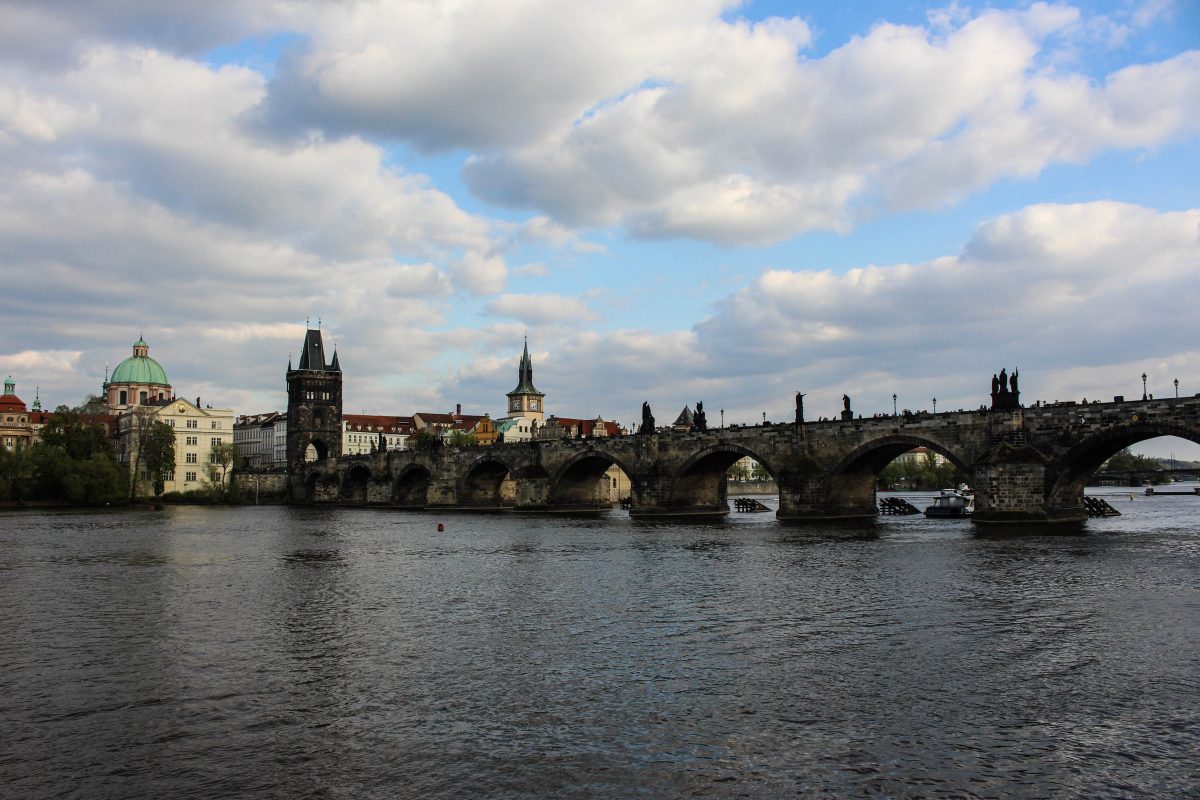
(458,409)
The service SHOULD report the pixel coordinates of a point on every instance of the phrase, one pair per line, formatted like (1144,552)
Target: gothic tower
(314,415)
(525,400)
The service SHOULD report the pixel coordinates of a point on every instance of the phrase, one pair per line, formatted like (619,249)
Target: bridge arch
(487,483)
(354,484)
(1080,462)
(316,450)
(873,455)
(411,487)
(855,477)
(582,481)
(699,482)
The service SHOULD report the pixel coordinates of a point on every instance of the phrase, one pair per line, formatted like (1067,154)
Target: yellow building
(15,427)
(196,429)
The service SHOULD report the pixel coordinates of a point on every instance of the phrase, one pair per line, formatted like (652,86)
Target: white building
(254,435)
(279,427)
(196,429)
(361,433)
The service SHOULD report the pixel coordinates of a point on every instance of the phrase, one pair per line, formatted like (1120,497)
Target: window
(216,425)
(216,440)
(191,477)
(170,476)
(122,398)
(190,440)
(171,422)
(142,398)
(191,423)
(191,458)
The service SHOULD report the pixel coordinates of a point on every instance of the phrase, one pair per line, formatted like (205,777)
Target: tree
(425,440)
(16,469)
(153,456)
(1126,461)
(67,429)
(459,439)
(221,455)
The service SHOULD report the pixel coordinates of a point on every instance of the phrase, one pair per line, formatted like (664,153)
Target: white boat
(951,503)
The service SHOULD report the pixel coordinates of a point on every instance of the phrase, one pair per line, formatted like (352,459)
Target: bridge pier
(1012,485)
(656,496)
(811,496)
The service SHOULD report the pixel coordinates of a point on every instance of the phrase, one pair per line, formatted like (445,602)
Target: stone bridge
(1025,464)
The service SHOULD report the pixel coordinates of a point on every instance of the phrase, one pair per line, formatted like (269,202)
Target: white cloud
(760,145)
(480,274)
(539,309)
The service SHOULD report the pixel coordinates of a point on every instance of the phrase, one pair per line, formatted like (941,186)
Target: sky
(677,201)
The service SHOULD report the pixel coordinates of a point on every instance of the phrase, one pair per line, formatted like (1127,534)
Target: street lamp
(1143,386)
(935,405)
(722,419)
(894,414)
(1177,388)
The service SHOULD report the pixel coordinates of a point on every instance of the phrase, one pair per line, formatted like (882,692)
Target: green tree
(458,439)
(154,452)
(1126,461)
(67,429)
(16,470)
(425,440)
(221,456)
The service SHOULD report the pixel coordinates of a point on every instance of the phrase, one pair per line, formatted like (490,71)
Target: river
(263,652)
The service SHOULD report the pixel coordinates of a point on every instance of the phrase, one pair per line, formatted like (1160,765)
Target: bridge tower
(525,400)
(314,414)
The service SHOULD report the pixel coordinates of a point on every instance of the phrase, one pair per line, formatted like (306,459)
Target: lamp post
(935,405)
(722,419)
(894,414)
(1143,386)
(1177,388)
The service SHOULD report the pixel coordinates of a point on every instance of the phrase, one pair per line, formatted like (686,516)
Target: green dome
(139,369)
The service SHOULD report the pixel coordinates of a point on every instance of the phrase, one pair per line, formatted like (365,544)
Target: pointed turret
(526,400)
(525,375)
(312,354)
(333,365)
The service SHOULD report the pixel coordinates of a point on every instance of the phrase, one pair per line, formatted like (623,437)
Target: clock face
(515,404)
(533,404)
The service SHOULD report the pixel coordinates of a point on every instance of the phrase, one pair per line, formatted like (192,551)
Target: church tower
(314,414)
(525,400)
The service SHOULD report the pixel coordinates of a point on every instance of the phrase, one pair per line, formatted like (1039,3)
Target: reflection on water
(280,652)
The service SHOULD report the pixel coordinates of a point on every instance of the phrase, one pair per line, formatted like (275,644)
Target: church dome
(139,368)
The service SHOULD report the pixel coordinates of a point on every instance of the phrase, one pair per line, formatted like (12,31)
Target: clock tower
(525,400)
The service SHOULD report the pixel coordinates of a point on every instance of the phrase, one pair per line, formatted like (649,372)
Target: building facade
(370,433)
(196,430)
(254,436)
(16,429)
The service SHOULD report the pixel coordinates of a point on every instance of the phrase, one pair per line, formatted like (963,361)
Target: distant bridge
(1026,464)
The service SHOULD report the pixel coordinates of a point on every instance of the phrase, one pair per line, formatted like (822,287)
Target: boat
(951,503)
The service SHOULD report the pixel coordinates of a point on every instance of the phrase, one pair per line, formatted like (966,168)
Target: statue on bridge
(846,412)
(647,421)
(799,408)
(699,422)
(1005,394)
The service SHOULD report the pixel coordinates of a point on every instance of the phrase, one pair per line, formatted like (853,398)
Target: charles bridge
(1026,464)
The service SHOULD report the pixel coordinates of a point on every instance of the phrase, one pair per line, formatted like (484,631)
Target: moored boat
(951,503)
